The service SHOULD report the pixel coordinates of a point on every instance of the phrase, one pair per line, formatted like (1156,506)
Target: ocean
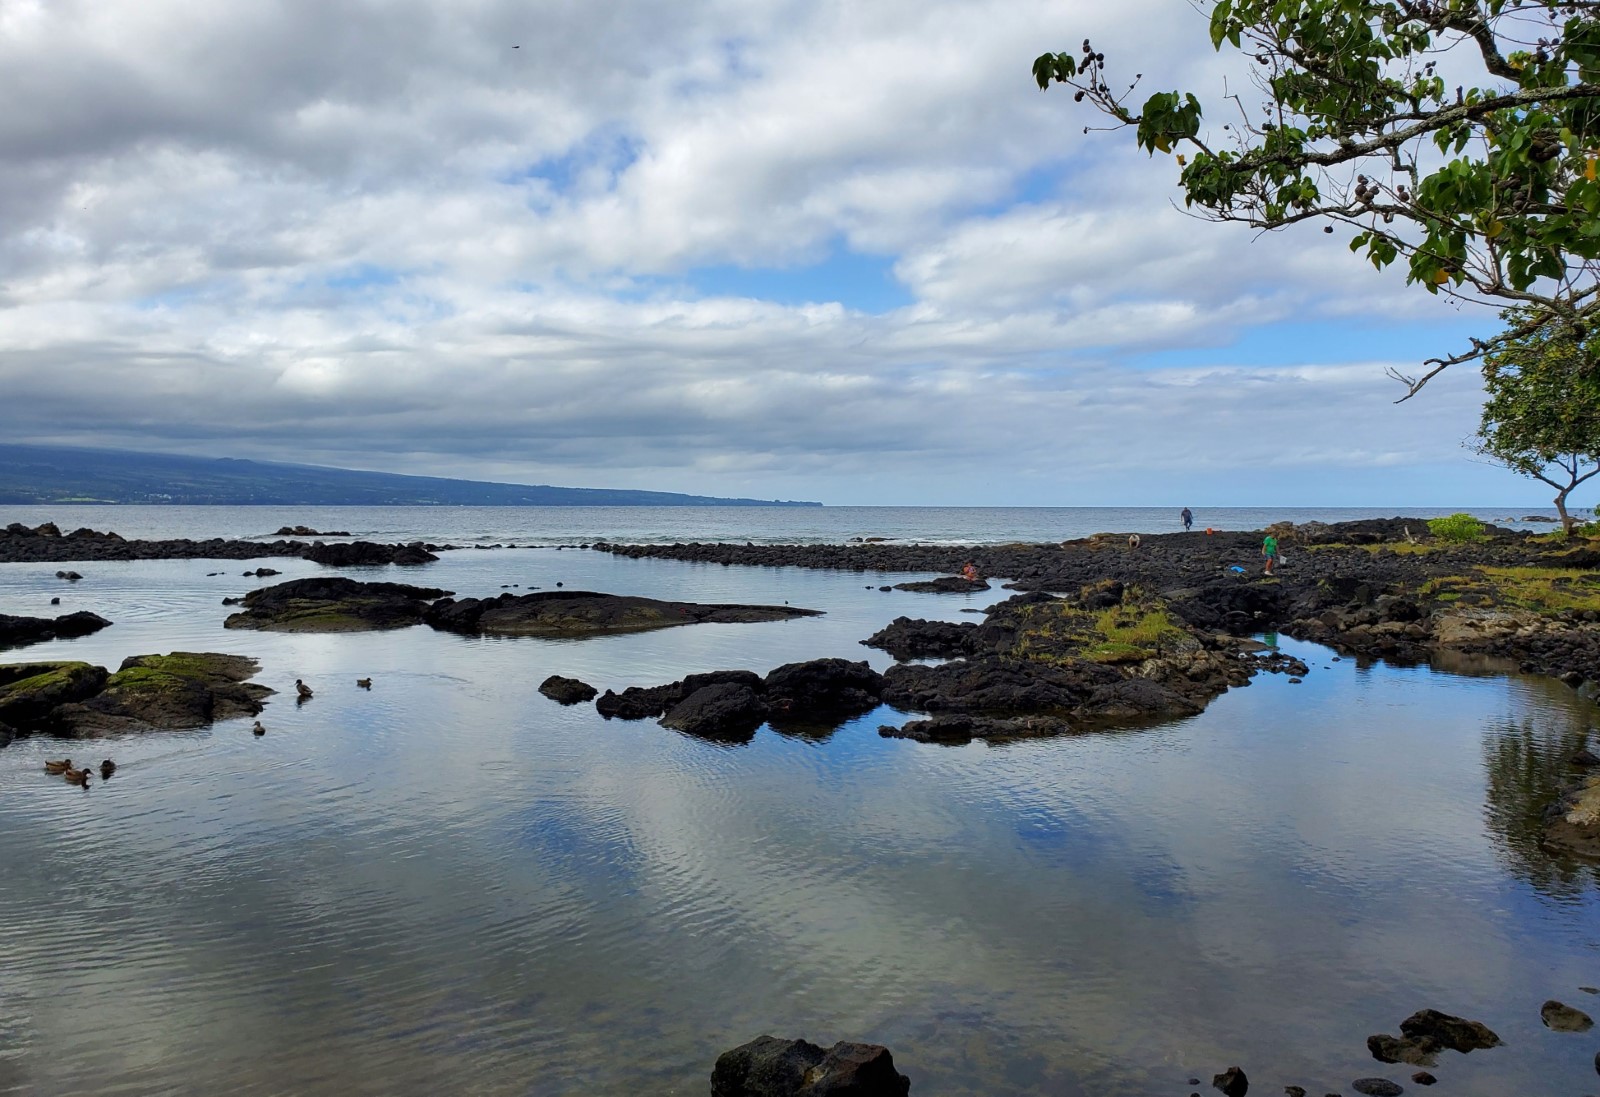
(657,525)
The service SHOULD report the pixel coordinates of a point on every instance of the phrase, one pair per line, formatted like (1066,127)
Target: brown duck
(58,767)
(79,777)
(107,768)
(302,691)
(364,683)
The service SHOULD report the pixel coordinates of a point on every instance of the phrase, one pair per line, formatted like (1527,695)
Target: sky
(816,250)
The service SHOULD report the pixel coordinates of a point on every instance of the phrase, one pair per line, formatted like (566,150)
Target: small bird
(58,767)
(364,683)
(257,728)
(79,777)
(107,768)
(302,690)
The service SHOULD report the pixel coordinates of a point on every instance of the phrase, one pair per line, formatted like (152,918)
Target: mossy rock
(30,692)
(176,691)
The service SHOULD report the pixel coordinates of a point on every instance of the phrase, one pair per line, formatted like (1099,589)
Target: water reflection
(1526,762)
(453,884)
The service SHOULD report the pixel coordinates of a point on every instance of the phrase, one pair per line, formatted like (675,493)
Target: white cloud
(381,236)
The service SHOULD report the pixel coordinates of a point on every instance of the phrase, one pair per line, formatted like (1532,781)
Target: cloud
(464,240)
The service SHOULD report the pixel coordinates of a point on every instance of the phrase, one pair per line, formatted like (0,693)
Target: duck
(257,728)
(302,690)
(78,777)
(107,768)
(58,767)
(364,683)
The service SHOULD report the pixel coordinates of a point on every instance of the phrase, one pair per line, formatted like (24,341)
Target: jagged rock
(1564,1018)
(333,604)
(69,576)
(567,691)
(822,687)
(1377,1087)
(346,554)
(638,703)
(770,1067)
(908,638)
(726,710)
(307,531)
(1232,1082)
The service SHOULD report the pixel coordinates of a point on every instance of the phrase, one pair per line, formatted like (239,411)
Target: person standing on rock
(1188,519)
(1269,549)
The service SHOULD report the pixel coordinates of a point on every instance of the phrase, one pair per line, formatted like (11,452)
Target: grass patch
(1548,590)
(1394,548)
(1128,633)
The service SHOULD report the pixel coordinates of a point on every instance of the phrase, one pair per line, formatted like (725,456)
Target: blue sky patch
(865,283)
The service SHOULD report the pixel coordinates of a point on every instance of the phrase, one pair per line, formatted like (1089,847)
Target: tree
(1488,193)
(1542,417)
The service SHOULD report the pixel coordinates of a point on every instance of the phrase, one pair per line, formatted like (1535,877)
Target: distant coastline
(68,476)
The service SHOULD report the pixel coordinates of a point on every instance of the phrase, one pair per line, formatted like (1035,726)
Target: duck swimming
(79,777)
(258,729)
(107,768)
(364,683)
(302,690)
(58,767)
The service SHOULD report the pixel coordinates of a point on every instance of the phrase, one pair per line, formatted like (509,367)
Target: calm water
(453,885)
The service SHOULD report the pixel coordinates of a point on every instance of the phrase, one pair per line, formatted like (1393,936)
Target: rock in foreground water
(149,692)
(770,1067)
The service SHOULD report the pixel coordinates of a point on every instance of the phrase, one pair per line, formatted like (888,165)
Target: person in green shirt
(1269,549)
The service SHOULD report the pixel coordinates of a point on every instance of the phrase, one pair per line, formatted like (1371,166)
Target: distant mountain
(56,474)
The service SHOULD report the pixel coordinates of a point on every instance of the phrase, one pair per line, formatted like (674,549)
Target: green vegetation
(1542,416)
(1539,589)
(1485,186)
(1458,529)
(1132,632)
(1397,548)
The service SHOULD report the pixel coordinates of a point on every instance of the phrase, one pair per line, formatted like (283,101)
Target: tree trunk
(1567,520)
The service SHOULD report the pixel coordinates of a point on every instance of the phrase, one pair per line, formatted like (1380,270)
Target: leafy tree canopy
(1542,416)
(1487,192)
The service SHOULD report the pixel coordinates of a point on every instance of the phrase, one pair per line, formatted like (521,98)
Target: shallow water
(451,884)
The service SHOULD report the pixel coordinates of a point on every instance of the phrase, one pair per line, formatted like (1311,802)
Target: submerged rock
(770,1067)
(333,604)
(1560,1017)
(1377,1087)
